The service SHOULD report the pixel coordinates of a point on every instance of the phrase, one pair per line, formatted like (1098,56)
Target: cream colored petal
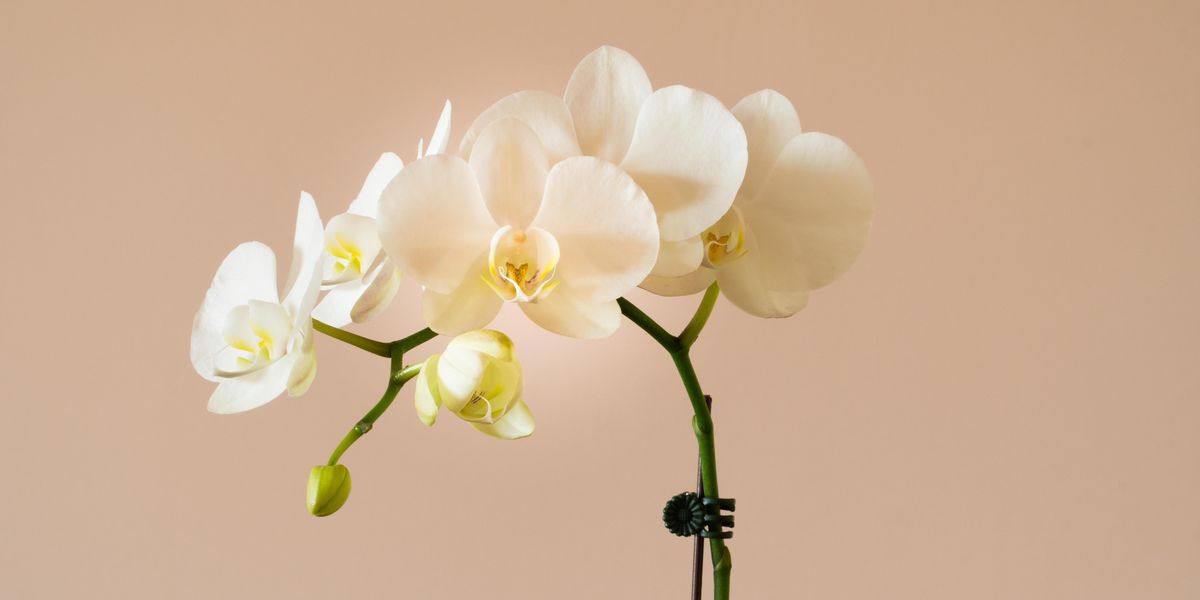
(304,370)
(253,390)
(378,295)
(516,423)
(385,169)
(334,308)
(427,399)
(544,113)
(689,155)
(441,134)
(770,122)
(472,305)
(511,166)
(605,94)
(247,273)
(747,283)
(604,225)
(486,341)
(433,222)
(308,253)
(696,281)
(564,313)
(676,259)
(813,216)
(352,242)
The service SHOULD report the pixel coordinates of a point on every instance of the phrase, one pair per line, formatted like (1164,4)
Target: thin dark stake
(698,550)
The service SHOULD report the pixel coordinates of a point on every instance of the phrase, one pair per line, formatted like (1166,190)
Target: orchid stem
(376,347)
(398,375)
(702,424)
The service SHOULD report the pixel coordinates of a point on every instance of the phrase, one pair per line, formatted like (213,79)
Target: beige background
(1001,400)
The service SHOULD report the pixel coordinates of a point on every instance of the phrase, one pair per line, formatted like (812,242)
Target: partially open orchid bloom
(561,239)
(358,274)
(244,337)
(681,146)
(478,379)
(799,221)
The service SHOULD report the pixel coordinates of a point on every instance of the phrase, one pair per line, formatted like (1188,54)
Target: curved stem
(702,423)
(700,319)
(399,377)
(383,349)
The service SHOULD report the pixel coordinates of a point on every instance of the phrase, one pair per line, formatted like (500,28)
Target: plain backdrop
(1000,401)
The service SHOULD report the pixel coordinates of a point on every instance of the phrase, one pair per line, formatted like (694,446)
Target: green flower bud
(328,488)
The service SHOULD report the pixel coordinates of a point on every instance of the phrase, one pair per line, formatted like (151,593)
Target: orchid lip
(522,264)
(725,241)
(257,335)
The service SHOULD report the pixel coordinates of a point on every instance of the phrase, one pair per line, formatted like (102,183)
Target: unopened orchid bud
(328,488)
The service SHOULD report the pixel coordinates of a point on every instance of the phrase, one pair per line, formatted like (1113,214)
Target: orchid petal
(427,398)
(748,283)
(684,285)
(304,370)
(604,225)
(334,308)
(689,155)
(441,134)
(678,258)
(485,341)
(770,122)
(813,215)
(605,94)
(471,305)
(253,390)
(511,166)
(544,113)
(247,273)
(353,241)
(304,281)
(385,169)
(566,314)
(378,294)
(433,222)
(515,424)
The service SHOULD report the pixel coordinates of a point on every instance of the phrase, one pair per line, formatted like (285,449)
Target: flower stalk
(397,377)
(679,347)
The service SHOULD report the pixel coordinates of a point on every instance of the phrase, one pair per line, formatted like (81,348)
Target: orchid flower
(244,337)
(563,239)
(360,277)
(681,146)
(478,379)
(800,219)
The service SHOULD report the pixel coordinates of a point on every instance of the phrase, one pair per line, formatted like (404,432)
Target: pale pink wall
(1001,400)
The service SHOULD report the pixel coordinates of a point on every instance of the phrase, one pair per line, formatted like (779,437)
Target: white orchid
(562,239)
(360,277)
(244,337)
(799,221)
(478,379)
(681,146)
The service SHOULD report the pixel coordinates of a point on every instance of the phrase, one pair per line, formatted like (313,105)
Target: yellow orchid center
(353,245)
(725,241)
(257,335)
(522,263)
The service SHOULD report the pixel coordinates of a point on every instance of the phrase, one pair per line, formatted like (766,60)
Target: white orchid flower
(681,146)
(478,379)
(360,277)
(562,240)
(800,220)
(244,337)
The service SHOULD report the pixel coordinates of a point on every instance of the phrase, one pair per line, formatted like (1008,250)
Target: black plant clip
(686,514)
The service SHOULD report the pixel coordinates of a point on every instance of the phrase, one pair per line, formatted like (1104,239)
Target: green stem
(702,424)
(692,331)
(399,376)
(383,349)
